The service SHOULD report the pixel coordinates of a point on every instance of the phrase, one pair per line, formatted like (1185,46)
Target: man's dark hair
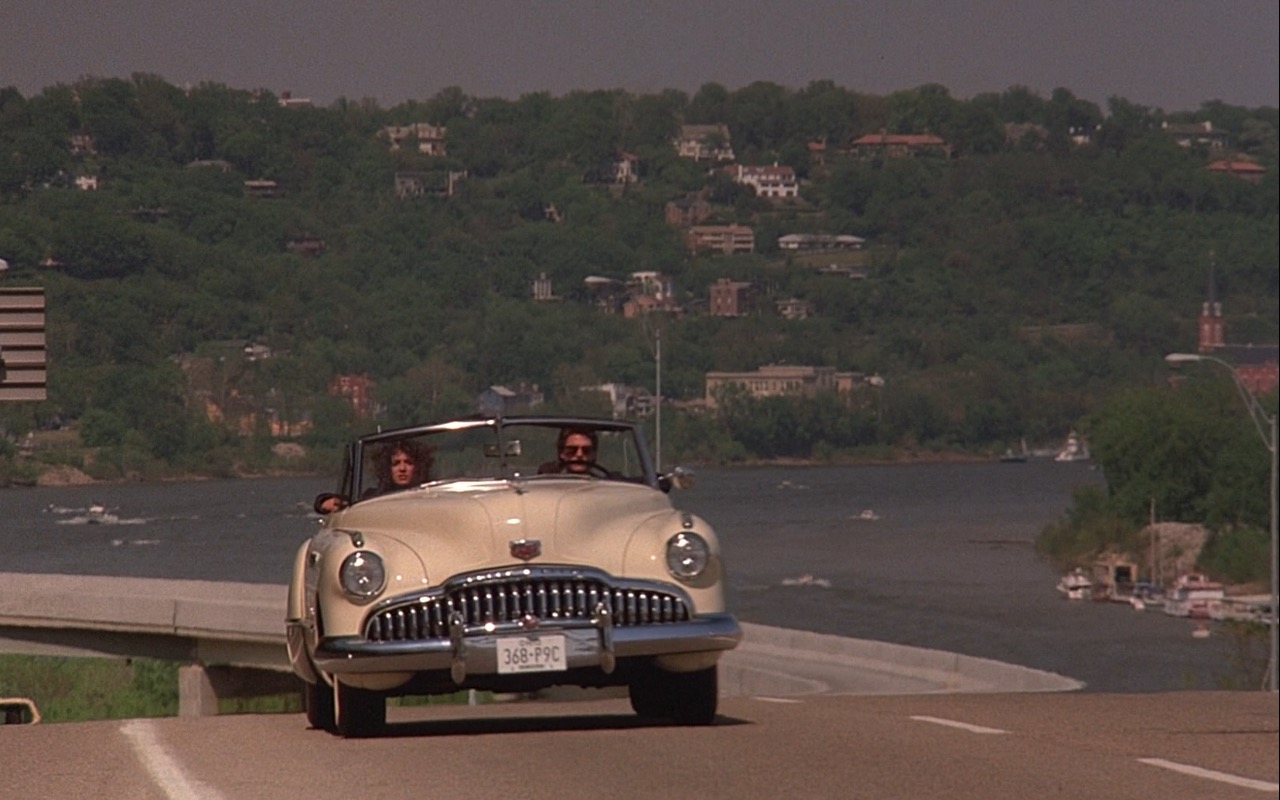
(565,433)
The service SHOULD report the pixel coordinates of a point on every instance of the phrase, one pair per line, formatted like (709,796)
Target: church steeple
(1212,333)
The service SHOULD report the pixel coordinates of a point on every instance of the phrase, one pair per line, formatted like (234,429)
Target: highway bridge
(804,715)
(229,640)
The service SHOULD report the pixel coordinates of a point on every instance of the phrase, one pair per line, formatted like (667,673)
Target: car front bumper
(471,654)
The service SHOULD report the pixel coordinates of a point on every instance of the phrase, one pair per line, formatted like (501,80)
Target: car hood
(469,525)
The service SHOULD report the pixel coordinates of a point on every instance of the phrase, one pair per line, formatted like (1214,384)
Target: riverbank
(66,475)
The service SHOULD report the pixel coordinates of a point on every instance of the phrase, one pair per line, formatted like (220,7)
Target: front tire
(318,702)
(357,712)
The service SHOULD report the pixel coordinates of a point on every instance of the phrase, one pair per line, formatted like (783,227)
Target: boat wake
(807,579)
(92,515)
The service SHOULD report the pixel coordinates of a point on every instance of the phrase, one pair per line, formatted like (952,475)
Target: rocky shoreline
(63,475)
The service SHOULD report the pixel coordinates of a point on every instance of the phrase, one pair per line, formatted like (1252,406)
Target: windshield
(532,448)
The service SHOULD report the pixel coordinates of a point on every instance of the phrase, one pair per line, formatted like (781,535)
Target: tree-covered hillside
(1010,289)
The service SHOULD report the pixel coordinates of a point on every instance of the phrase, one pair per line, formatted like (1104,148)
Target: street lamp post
(657,399)
(1266,426)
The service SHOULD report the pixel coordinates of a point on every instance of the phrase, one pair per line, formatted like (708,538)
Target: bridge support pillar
(196,694)
(201,686)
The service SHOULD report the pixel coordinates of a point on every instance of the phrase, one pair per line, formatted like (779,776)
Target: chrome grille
(509,601)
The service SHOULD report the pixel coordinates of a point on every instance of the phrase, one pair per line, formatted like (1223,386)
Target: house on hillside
(429,139)
(1247,171)
(704,142)
(794,308)
(899,145)
(778,380)
(720,239)
(622,170)
(625,402)
(357,390)
(728,298)
(262,189)
(650,292)
(287,100)
(505,400)
(775,182)
(542,292)
(816,242)
(606,294)
(1196,134)
(82,144)
(434,183)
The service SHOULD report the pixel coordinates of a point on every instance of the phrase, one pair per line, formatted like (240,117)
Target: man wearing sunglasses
(575,454)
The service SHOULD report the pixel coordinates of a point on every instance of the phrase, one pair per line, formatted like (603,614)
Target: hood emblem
(525,549)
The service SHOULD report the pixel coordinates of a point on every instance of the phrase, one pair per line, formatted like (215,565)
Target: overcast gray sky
(1170,54)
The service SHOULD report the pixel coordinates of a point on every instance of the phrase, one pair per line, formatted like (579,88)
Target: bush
(1239,555)
(1091,526)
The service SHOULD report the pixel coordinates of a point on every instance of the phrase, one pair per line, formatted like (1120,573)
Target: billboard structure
(23,368)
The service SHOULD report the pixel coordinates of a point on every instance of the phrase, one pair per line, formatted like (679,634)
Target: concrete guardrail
(229,638)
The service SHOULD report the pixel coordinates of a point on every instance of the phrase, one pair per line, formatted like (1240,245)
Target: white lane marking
(166,773)
(964,726)
(1213,775)
(777,700)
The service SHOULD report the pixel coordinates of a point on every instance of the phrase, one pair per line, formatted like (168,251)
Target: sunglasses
(572,449)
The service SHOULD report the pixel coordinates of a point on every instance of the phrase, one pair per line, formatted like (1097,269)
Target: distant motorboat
(1076,585)
(96,514)
(1075,449)
(867,515)
(807,579)
(1145,596)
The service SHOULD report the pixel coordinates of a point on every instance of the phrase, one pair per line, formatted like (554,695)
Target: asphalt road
(984,747)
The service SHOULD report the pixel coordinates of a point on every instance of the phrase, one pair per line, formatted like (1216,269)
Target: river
(930,555)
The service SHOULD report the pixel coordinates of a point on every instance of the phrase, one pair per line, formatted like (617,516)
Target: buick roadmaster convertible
(506,554)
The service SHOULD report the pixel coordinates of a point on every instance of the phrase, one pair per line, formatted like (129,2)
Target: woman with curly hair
(397,465)
(402,465)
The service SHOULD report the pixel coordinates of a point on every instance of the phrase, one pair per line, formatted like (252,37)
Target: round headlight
(687,555)
(362,574)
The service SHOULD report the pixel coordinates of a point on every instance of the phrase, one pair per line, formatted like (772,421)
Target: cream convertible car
(494,570)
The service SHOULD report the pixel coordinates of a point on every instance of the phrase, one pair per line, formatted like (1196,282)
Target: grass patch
(81,689)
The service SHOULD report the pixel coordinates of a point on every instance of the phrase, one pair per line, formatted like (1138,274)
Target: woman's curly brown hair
(419,453)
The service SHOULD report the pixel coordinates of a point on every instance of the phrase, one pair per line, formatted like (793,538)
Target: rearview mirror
(678,478)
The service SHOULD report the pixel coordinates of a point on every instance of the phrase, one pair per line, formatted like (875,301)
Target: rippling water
(931,555)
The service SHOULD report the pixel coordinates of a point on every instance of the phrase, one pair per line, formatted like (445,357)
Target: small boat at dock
(1076,585)
(1075,449)
(1193,595)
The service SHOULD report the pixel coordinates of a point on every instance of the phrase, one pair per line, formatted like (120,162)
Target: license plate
(531,654)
